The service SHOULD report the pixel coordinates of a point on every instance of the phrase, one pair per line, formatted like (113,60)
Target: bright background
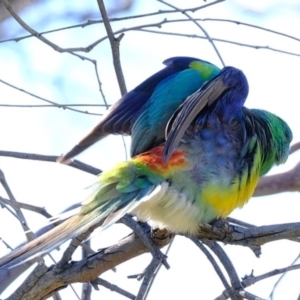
(31,65)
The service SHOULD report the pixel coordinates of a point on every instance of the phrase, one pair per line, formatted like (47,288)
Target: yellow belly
(225,199)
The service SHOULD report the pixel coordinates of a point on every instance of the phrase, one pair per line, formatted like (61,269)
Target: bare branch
(283,271)
(93,22)
(158,257)
(100,84)
(15,205)
(201,28)
(252,237)
(250,279)
(58,105)
(295,148)
(285,182)
(56,296)
(48,101)
(51,158)
(253,26)
(157,270)
(131,246)
(215,265)
(38,35)
(226,262)
(256,47)
(37,209)
(115,47)
(43,282)
(113,288)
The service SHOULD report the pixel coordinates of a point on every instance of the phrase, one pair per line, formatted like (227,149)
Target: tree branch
(131,246)
(115,47)
(51,158)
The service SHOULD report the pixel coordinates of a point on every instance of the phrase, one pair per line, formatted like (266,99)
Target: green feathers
(272,135)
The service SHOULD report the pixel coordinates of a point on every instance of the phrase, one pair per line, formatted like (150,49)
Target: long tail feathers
(105,204)
(42,244)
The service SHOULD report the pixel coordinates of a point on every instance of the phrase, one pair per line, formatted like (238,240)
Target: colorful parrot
(214,154)
(144,112)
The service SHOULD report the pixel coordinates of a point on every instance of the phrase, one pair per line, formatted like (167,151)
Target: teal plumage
(144,112)
(215,152)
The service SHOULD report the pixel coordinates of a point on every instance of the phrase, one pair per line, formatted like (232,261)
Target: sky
(60,77)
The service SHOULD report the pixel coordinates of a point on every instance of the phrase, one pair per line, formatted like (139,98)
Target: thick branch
(89,269)
(86,270)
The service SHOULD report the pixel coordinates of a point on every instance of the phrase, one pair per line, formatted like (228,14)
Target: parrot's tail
(45,242)
(105,206)
(105,213)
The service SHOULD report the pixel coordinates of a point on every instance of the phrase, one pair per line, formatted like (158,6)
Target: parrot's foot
(220,224)
(218,229)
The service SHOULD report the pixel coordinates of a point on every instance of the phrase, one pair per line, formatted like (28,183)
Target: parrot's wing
(121,116)
(201,100)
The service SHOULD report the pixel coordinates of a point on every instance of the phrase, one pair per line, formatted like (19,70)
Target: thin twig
(86,291)
(115,47)
(48,101)
(253,26)
(154,276)
(256,47)
(37,209)
(250,279)
(100,85)
(39,36)
(6,244)
(283,272)
(199,26)
(58,105)
(56,296)
(113,288)
(226,262)
(11,211)
(75,242)
(93,22)
(214,264)
(51,158)
(15,205)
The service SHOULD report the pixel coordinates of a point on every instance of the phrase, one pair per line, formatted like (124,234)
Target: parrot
(214,153)
(144,112)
